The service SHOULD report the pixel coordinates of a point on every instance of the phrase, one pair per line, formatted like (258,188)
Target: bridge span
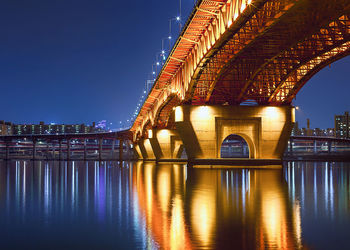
(118,146)
(84,146)
(236,52)
(317,148)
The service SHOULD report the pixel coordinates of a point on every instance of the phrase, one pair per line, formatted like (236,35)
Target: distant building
(342,125)
(5,128)
(101,125)
(296,131)
(330,132)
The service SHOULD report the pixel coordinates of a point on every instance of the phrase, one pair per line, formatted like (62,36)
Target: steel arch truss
(280,80)
(262,62)
(224,60)
(231,51)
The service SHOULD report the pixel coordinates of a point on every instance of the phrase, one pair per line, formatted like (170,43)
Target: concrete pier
(201,130)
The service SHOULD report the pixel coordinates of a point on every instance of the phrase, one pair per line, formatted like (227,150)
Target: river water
(92,205)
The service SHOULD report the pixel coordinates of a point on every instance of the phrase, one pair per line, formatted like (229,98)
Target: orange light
(179,116)
(203,112)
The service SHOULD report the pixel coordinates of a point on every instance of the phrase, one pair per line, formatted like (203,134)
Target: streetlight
(176,19)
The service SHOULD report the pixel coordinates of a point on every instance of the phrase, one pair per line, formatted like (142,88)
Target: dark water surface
(92,205)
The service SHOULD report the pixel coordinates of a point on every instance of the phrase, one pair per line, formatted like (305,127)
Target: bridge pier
(53,150)
(146,150)
(121,149)
(60,149)
(315,147)
(137,150)
(266,129)
(329,146)
(165,143)
(68,149)
(112,148)
(47,149)
(100,149)
(34,149)
(7,153)
(85,150)
(291,147)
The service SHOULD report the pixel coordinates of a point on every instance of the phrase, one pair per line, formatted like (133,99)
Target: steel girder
(262,62)
(231,51)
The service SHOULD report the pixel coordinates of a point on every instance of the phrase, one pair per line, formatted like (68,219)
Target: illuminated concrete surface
(265,129)
(202,129)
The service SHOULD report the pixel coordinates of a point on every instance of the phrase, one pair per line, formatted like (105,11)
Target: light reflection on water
(170,206)
(322,191)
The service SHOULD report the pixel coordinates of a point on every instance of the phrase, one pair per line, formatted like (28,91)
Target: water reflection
(171,206)
(61,203)
(216,208)
(320,187)
(320,193)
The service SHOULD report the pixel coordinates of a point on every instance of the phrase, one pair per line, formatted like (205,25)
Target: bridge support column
(53,150)
(100,149)
(68,149)
(137,151)
(112,148)
(315,147)
(47,149)
(85,150)
(121,149)
(60,149)
(146,149)
(7,153)
(34,149)
(166,144)
(266,129)
(291,147)
(329,147)
(129,150)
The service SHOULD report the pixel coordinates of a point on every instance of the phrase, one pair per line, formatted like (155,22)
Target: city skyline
(78,62)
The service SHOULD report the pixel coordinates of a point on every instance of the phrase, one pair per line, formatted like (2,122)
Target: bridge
(235,69)
(118,146)
(84,146)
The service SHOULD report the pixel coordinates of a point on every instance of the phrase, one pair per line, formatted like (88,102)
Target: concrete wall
(166,143)
(138,152)
(146,149)
(203,129)
(161,144)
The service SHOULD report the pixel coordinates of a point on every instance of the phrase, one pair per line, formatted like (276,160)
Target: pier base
(166,144)
(266,129)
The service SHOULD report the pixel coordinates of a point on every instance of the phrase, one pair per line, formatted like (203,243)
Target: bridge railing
(98,146)
(323,147)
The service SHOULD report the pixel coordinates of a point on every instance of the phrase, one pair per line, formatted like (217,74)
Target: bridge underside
(264,57)
(268,58)
(274,53)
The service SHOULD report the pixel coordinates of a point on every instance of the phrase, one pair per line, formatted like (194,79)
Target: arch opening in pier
(234,146)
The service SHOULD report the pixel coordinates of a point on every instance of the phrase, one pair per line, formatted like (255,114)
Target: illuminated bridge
(235,69)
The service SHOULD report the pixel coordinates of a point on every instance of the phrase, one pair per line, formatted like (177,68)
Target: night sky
(79,61)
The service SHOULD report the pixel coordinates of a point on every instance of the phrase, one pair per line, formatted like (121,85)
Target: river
(107,205)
